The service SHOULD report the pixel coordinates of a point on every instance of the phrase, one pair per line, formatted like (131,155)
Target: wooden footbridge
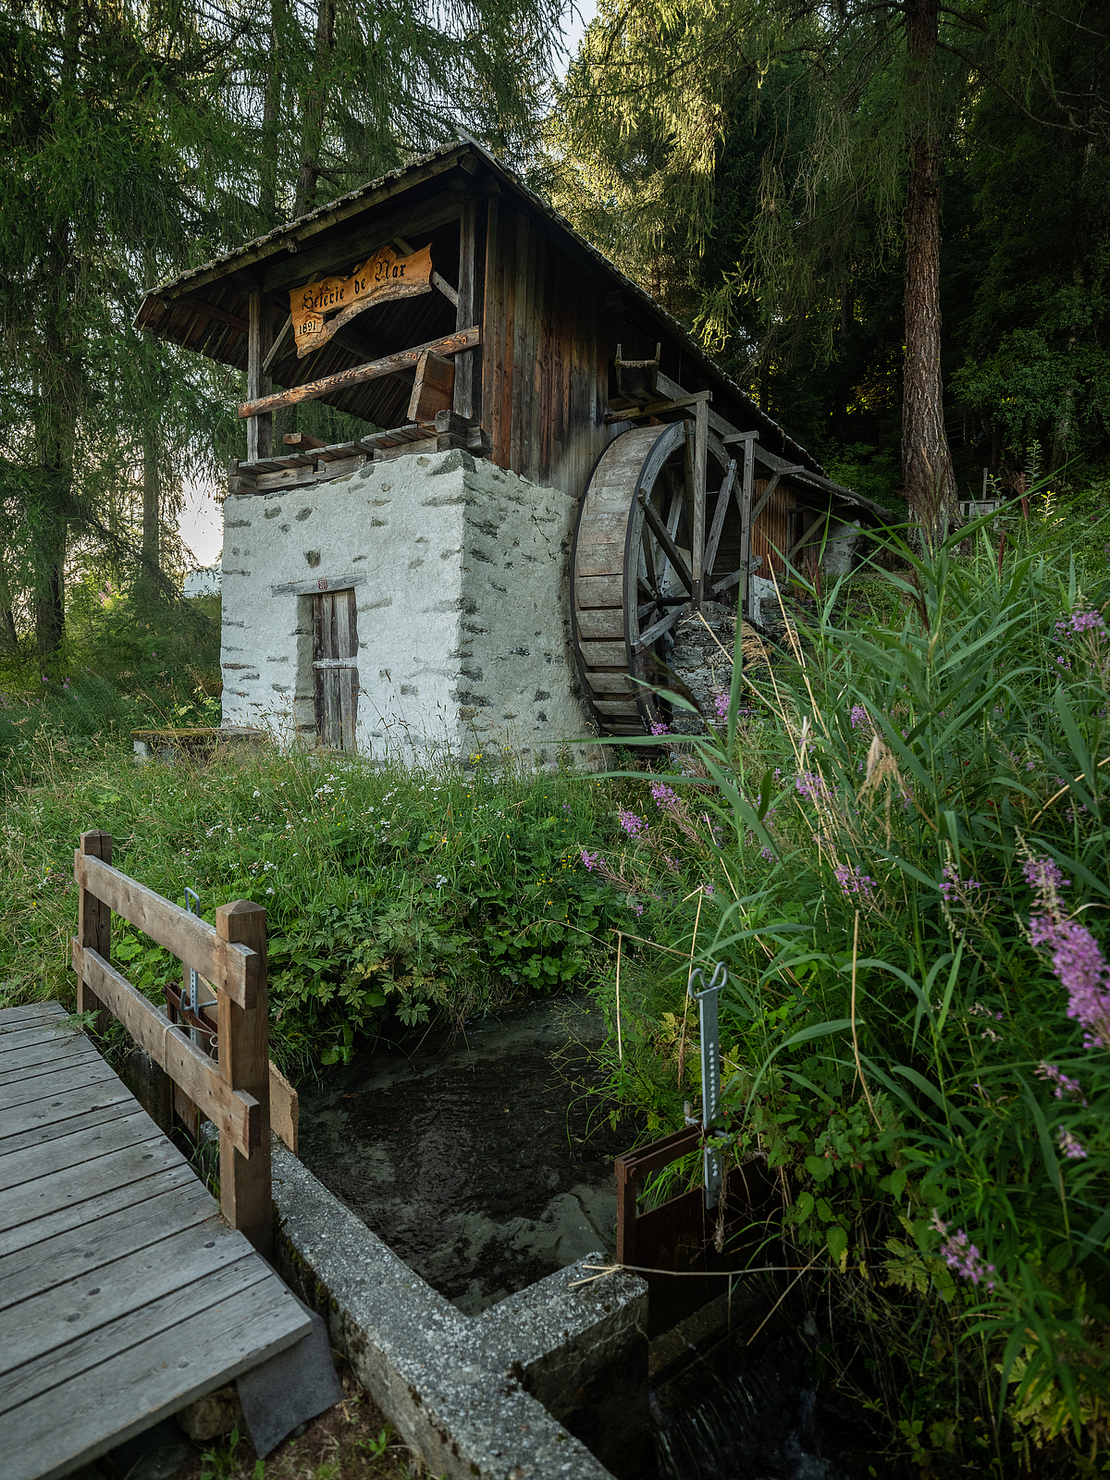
(124,1294)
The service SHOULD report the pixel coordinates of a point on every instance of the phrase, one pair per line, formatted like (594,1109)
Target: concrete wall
(521,1390)
(462,607)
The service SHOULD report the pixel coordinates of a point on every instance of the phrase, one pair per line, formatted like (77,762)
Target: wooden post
(467,397)
(260,428)
(697,536)
(749,441)
(244,1048)
(94,926)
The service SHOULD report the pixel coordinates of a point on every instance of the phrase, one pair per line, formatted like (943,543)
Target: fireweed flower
(1072,1148)
(1076,956)
(660,729)
(720,703)
(953,888)
(1046,877)
(858,715)
(851,881)
(1063,1084)
(592,860)
(632,824)
(961,1255)
(665,799)
(811,786)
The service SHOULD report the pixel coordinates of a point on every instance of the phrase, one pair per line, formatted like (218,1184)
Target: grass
(391,896)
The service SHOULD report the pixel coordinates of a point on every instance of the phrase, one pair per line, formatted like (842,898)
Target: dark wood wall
(545,368)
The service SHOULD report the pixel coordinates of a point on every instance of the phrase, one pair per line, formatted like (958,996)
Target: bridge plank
(38,1011)
(26,1034)
(89,1246)
(123,1295)
(85,1142)
(51,1054)
(51,1117)
(150,1379)
(18,1089)
(71,1310)
(74,1186)
(131,1194)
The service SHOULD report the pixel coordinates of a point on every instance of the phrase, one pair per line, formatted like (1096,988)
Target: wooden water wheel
(640,563)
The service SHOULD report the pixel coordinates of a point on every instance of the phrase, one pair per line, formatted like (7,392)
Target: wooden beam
(749,440)
(723,496)
(466,398)
(697,536)
(231,968)
(94,925)
(433,388)
(237,1115)
(209,311)
(244,1038)
(272,352)
(337,257)
(359,374)
(312,588)
(798,543)
(260,426)
(656,408)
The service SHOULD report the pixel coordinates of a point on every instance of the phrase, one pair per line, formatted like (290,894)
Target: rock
(213,1415)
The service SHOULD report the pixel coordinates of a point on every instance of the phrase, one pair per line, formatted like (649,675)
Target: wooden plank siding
(545,367)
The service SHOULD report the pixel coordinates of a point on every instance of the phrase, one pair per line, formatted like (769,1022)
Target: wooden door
(334,667)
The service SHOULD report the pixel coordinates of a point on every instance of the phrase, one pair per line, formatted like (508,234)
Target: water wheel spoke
(664,625)
(659,529)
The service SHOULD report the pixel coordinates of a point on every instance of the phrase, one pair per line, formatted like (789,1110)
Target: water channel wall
(519,1391)
(459,571)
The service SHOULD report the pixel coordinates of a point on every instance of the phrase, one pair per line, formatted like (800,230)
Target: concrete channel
(549,1382)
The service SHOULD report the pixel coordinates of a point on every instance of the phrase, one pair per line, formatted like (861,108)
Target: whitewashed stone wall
(463,612)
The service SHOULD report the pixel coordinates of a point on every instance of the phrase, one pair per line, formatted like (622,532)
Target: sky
(201,521)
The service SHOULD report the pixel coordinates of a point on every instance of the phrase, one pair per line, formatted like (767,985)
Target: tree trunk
(152,510)
(926,461)
(315,108)
(271,113)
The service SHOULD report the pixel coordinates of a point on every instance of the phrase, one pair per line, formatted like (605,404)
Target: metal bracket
(709,1027)
(190,1002)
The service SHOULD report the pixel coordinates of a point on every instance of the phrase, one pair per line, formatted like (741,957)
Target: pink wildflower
(632,824)
(960,1254)
(1072,1148)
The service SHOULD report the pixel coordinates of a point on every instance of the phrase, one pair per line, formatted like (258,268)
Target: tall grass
(894,1044)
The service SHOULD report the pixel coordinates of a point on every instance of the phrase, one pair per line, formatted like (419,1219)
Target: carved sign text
(319,309)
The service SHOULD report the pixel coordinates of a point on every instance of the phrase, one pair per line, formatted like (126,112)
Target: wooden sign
(383,276)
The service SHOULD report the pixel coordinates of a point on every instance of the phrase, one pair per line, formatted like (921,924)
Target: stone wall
(462,608)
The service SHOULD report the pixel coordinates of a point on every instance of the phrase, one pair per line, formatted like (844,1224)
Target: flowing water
(480,1158)
(752,1413)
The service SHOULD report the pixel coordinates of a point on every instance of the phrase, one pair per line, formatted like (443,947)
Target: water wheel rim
(658,445)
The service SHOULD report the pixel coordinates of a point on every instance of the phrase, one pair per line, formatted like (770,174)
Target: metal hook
(717,983)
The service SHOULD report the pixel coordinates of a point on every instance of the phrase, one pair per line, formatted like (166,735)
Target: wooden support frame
(233,1093)
(804,537)
(467,392)
(343,379)
(260,426)
(749,440)
(697,534)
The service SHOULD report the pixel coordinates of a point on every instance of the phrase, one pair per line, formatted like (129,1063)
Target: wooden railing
(232,1090)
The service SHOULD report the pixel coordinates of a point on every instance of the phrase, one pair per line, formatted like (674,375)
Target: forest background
(807,187)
